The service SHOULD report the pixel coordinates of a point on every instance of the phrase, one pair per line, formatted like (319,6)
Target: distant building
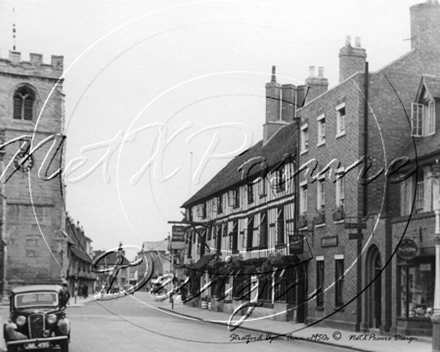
(160,256)
(33,247)
(79,272)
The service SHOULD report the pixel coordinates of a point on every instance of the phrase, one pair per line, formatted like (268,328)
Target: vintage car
(37,319)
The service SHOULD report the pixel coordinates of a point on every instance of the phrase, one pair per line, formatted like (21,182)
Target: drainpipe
(364,210)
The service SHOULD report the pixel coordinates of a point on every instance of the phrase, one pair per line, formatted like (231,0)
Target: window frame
(419,182)
(340,118)
(303,197)
(24,109)
(250,193)
(304,138)
(320,197)
(340,188)
(321,129)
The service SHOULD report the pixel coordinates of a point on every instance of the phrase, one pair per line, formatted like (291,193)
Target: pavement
(254,327)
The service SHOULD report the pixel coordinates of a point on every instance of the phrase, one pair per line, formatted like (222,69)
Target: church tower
(33,246)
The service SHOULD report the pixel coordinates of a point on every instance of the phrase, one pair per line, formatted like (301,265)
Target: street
(127,324)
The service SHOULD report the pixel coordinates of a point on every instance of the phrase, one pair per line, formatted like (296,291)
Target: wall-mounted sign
(355,225)
(331,241)
(407,249)
(296,244)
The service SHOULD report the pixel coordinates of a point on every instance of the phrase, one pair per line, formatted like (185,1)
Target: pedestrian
(86,291)
(64,296)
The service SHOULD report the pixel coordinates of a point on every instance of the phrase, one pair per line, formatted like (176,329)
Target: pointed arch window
(24,99)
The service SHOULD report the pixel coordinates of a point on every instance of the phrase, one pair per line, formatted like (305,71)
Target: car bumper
(45,342)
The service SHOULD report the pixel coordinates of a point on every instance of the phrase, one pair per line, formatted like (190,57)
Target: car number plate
(33,345)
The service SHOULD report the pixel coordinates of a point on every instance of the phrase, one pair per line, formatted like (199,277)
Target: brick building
(350,140)
(33,247)
(414,228)
(366,114)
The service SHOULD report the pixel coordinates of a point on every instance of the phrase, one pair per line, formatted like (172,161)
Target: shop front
(415,289)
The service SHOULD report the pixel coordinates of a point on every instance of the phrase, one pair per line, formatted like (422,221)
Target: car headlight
(51,318)
(21,320)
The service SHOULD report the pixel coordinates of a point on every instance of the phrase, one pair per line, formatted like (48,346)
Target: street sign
(355,236)
(355,225)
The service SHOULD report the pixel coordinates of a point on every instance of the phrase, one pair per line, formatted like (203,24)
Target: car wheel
(64,346)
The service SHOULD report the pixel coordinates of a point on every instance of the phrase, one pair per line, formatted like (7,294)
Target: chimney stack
(273,108)
(317,85)
(425,26)
(351,59)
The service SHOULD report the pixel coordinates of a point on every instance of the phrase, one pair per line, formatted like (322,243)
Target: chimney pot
(320,71)
(357,42)
(274,79)
(347,40)
(312,71)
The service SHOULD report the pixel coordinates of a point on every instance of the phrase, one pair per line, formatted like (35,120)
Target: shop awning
(203,261)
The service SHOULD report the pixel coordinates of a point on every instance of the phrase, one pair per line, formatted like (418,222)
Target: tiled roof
(281,144)
(432,84)
(81,254)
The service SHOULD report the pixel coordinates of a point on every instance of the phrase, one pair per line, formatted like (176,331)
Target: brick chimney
(425,25)
(288,102)
(273,108)
(317,84)
(351,59)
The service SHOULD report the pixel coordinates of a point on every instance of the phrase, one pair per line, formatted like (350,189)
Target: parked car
(37,319)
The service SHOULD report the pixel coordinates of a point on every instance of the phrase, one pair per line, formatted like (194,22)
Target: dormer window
(423,114)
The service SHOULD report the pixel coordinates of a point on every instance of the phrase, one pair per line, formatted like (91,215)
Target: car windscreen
(36,299)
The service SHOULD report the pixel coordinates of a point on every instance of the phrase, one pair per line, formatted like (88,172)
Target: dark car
(37,319)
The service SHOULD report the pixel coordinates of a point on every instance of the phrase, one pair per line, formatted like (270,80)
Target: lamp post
(436,316)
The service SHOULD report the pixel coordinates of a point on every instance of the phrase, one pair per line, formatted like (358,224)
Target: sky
(160,95)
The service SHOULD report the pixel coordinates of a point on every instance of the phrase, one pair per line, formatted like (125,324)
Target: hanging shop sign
(296,244)
(178,237)
(407,249)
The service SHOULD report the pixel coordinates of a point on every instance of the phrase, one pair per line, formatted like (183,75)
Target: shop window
(417,290)
(264,288)
(241,287)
